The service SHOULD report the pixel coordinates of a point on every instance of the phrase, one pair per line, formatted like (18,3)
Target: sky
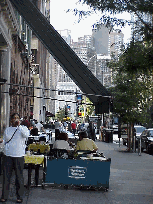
(61,20)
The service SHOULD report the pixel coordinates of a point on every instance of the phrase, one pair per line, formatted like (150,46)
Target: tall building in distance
(95,51)
(66,88)
(115,43)
(107,43)
(137,24)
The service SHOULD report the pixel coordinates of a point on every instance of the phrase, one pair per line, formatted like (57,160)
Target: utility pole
(76,104)
(84,108)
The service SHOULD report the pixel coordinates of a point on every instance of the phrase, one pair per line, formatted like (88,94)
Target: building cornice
(7,10)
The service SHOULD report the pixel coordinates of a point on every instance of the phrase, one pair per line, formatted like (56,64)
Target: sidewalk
(131,181)
(131,177)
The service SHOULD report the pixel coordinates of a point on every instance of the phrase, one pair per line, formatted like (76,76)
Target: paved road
(131,181)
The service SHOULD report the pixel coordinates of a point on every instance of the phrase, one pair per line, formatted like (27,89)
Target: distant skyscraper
(137,24)
(66,35)
(107,43)
(65,85)
(101,40)
(115,42)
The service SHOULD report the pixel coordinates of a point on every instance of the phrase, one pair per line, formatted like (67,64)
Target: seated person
(62,142)
(85,143)
(34,131)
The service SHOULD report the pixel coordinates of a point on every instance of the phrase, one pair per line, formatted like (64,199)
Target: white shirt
(39,126)
(16,146)
(61,144)
(57,125)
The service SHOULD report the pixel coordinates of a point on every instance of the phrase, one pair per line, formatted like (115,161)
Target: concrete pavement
(131,181)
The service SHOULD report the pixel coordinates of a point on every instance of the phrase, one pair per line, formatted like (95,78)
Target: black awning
(60,50)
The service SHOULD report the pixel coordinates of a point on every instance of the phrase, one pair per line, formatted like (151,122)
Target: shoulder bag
(11,137)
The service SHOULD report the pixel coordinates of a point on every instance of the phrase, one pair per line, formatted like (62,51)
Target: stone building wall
(20,74)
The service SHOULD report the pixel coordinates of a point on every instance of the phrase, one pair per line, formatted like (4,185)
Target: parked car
(115,128)
(147,140)
(139,129)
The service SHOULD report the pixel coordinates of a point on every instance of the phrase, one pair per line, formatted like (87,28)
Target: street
(130,182)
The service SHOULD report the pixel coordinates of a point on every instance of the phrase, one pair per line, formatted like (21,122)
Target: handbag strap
(12,136)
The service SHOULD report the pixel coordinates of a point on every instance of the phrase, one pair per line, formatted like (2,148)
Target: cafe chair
(30,141)
(42,139)
(57,153)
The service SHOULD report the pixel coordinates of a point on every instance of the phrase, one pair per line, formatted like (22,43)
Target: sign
(79,98)
(77,172)
(124,129)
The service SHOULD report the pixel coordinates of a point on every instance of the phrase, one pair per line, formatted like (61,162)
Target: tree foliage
(137,57)
(61,114)
(86,103)
(133,85)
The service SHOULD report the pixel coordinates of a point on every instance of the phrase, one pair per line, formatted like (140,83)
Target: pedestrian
(57,129)
(73,125)
(91,131)
(14,150)
(69,126)
(40,126)
(65,125)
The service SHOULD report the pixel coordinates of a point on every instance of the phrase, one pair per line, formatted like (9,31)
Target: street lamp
(95,63)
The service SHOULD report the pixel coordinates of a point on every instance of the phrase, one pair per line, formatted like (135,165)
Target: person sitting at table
(85,143)
(34,131)
(62,142)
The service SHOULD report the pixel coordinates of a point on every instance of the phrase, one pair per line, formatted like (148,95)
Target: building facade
(41,70)
(14,64)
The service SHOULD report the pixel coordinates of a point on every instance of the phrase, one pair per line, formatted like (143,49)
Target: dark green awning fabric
(60,50)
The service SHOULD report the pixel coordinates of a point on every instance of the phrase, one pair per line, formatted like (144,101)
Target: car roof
(138,126)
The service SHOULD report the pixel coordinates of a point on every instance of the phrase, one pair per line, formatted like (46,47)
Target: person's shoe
(19,200)
(2,200)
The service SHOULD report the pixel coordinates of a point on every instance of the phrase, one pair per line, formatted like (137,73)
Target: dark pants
(74,131)
(57,134)
(1,162)
(10,163)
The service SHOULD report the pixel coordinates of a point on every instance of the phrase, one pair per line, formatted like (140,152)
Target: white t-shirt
(61,144)
(39,126)
(16,146)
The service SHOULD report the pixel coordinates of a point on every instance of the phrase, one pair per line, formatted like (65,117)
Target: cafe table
(43,148)
(34,161)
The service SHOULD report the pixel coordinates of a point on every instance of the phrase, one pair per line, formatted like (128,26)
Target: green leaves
(132,77)
(138,58)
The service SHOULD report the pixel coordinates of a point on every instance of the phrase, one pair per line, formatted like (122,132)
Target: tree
(132,91)
(86,103)
(61,114)
(138,57)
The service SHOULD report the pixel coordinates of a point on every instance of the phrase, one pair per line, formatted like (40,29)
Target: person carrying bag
(14,151)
